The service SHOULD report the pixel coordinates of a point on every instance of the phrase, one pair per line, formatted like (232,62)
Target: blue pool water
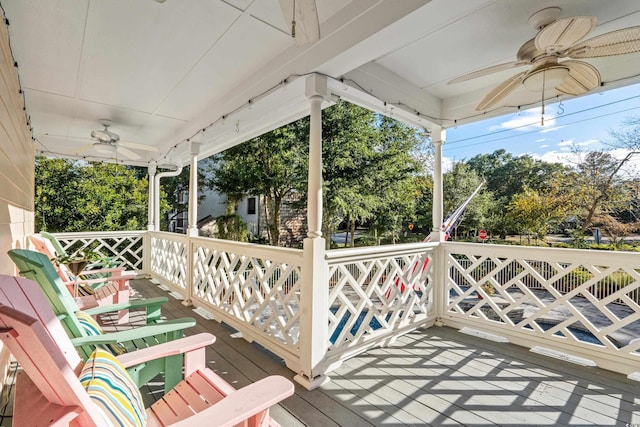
(580,334)
(373,324)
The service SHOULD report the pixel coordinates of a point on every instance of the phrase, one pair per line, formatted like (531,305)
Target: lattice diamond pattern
(374,297)
(169,260)
(567,299)
(260,292)
(124,250)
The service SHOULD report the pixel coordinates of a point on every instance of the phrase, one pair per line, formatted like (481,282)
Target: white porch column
(438,136)
(151,225)
(314,295)
(193,189)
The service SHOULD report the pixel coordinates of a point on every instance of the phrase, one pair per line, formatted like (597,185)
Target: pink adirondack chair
(49,392)
(116,288)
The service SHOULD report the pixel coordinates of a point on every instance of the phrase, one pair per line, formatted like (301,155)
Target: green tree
(393,169)
(458,184)
(597,187)
(79,196)
(537,213)
(56,191)
(269,165)
(507,175)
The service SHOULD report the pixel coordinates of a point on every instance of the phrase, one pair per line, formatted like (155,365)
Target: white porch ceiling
(164,72)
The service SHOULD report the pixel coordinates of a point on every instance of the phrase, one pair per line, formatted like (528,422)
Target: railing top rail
(169,235)
(98,234)
(274,253)
(347,254)
(590,256)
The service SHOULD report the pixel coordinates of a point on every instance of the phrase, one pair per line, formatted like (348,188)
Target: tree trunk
(353,233)
(274,224)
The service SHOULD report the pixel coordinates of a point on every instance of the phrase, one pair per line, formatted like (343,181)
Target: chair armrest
(243,403)
(98,280)
(175,325)
(137,303)
(118,271)
(170,348)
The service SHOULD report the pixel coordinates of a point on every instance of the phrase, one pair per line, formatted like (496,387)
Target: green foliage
(271,165)
(458,184)
(76,196)
(369,169)
(232,227)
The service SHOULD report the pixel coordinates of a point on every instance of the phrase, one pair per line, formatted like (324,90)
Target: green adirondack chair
(37,267)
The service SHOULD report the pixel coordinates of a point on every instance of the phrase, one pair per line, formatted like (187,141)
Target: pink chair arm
(180,346)
(243,403)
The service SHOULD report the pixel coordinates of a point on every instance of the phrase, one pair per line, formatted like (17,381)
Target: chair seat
(192,395)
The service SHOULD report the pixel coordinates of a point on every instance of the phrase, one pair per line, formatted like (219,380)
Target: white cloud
(566,143)
(544,146)
(630,169)
(550,129)
(565,157)
(588,142)
(527,121)
(541,140)
(447,164)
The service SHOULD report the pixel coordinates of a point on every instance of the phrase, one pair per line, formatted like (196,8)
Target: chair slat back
(37,267)
(54,242)
(36,339)
(45,247)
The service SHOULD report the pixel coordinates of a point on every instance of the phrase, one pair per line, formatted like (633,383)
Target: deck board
(436,376)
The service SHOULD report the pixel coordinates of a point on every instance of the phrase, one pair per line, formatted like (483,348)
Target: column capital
(152,168)
(316,86)
(194,148)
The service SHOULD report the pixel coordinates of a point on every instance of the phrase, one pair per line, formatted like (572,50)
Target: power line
(530,132)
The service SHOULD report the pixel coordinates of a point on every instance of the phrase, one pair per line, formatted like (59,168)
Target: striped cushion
(112,390)
(91,328)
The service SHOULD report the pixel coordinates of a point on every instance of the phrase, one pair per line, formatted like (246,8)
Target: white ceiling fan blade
(501,91)
(137,146)
(488,70)
(127,153)
(564,33)
(582,78)
(619,42)
(307,25)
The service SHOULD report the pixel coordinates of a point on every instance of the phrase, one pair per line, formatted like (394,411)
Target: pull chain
(293,21)
(544,75)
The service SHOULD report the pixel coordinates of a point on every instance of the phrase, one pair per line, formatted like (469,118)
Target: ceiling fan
(558,38)
(108,142)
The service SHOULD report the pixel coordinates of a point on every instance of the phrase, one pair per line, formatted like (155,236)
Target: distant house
(293,225)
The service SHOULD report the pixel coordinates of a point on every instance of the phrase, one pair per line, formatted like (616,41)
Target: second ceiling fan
(558,38)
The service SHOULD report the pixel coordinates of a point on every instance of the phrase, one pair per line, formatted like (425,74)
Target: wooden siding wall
(16,170)
(16,160)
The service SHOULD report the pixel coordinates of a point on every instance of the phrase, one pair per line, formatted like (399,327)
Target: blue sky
(583,122)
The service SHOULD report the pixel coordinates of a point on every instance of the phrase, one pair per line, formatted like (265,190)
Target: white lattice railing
(123,247)
(254,288)
(377,294)
(169,260)
(576,302)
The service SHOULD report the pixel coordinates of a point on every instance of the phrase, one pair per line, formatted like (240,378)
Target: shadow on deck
(436,377)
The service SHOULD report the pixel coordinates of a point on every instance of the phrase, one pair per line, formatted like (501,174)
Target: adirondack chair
(35,266)
(39,267)
(83,283)
(49,392)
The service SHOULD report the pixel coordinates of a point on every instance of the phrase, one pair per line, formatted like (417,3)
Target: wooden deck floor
(437,377)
